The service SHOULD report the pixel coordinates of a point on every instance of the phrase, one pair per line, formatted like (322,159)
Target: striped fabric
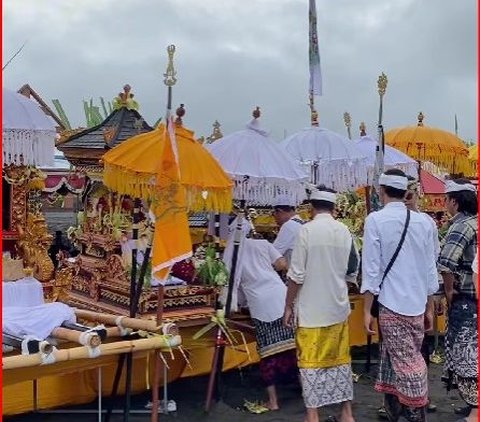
(273,337)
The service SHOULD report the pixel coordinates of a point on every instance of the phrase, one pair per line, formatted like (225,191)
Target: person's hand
(288,317)
(368,322)
(428,318)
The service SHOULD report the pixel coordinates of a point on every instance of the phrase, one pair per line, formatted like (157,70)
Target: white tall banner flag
(314,55)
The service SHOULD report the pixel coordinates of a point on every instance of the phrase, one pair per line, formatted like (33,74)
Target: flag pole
(380,150)
(379,165)
(170,79)
(315,87)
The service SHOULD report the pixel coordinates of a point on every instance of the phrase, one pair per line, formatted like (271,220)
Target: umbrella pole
(219,353)
(158,362)
(368,205)
(133,307)
(133,311)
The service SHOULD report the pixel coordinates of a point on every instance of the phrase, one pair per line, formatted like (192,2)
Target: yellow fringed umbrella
(473,158)
(424,143)
(132,168)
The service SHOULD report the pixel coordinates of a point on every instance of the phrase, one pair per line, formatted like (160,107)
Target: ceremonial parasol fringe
(141,185)
(28,147)
(342,175)
(260,191)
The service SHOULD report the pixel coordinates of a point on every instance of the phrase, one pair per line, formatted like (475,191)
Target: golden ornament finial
(170,74)
(363,129)
(180,112)
(256,113)
(382,84)
(314,117)
(420,118)
(347,119)
(216,134)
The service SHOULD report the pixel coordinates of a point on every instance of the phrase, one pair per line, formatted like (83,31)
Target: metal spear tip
(347,119)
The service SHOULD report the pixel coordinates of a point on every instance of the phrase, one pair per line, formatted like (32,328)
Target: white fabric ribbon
(452,186)
(49,358)
(123,331)
(25,342)
(394,181)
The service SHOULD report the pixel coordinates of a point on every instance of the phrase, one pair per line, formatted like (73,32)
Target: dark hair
(323,205)
(394,192)
(466,200)
(285,208)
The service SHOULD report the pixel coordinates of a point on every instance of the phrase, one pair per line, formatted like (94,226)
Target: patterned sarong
(461,346)
(276,347)
(324,362)
(402,371)
(273,337)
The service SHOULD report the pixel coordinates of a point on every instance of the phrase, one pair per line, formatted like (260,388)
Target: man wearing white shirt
(405,296)
(323,256)
(289,222)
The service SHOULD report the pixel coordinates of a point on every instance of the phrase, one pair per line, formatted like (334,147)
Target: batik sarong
(325,365)
(276,347)
(462,348)
(402,371)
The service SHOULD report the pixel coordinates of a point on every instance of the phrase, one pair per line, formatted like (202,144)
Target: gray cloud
(234,55)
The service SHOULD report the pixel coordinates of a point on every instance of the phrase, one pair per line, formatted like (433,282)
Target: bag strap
(397,251)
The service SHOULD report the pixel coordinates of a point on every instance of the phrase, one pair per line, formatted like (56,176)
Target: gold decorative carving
(170,74)
(33,244)
(109,134)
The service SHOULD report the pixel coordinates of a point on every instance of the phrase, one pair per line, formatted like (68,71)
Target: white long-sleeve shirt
(413,276)
(287,235)
(324,254)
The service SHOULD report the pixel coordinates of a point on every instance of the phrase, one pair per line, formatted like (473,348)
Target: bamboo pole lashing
(121,321)
(76,353)
(90,339)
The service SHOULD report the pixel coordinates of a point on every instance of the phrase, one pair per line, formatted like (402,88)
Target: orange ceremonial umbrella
(132,169)
(438,146)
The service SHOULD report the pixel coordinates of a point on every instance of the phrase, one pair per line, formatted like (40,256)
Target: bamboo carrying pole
(133,323)
(220,343)
(93,339)
(64,355)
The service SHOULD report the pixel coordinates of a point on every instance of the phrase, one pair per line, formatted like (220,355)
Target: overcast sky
(233,55)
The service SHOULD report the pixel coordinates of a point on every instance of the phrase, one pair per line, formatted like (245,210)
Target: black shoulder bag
(375,307)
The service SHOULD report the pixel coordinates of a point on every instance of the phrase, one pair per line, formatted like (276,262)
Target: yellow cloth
(323,347)
(171,242)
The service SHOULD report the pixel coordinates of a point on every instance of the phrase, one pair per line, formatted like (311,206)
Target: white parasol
(260,168)
(393,158)
(333,160)
(28,134)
